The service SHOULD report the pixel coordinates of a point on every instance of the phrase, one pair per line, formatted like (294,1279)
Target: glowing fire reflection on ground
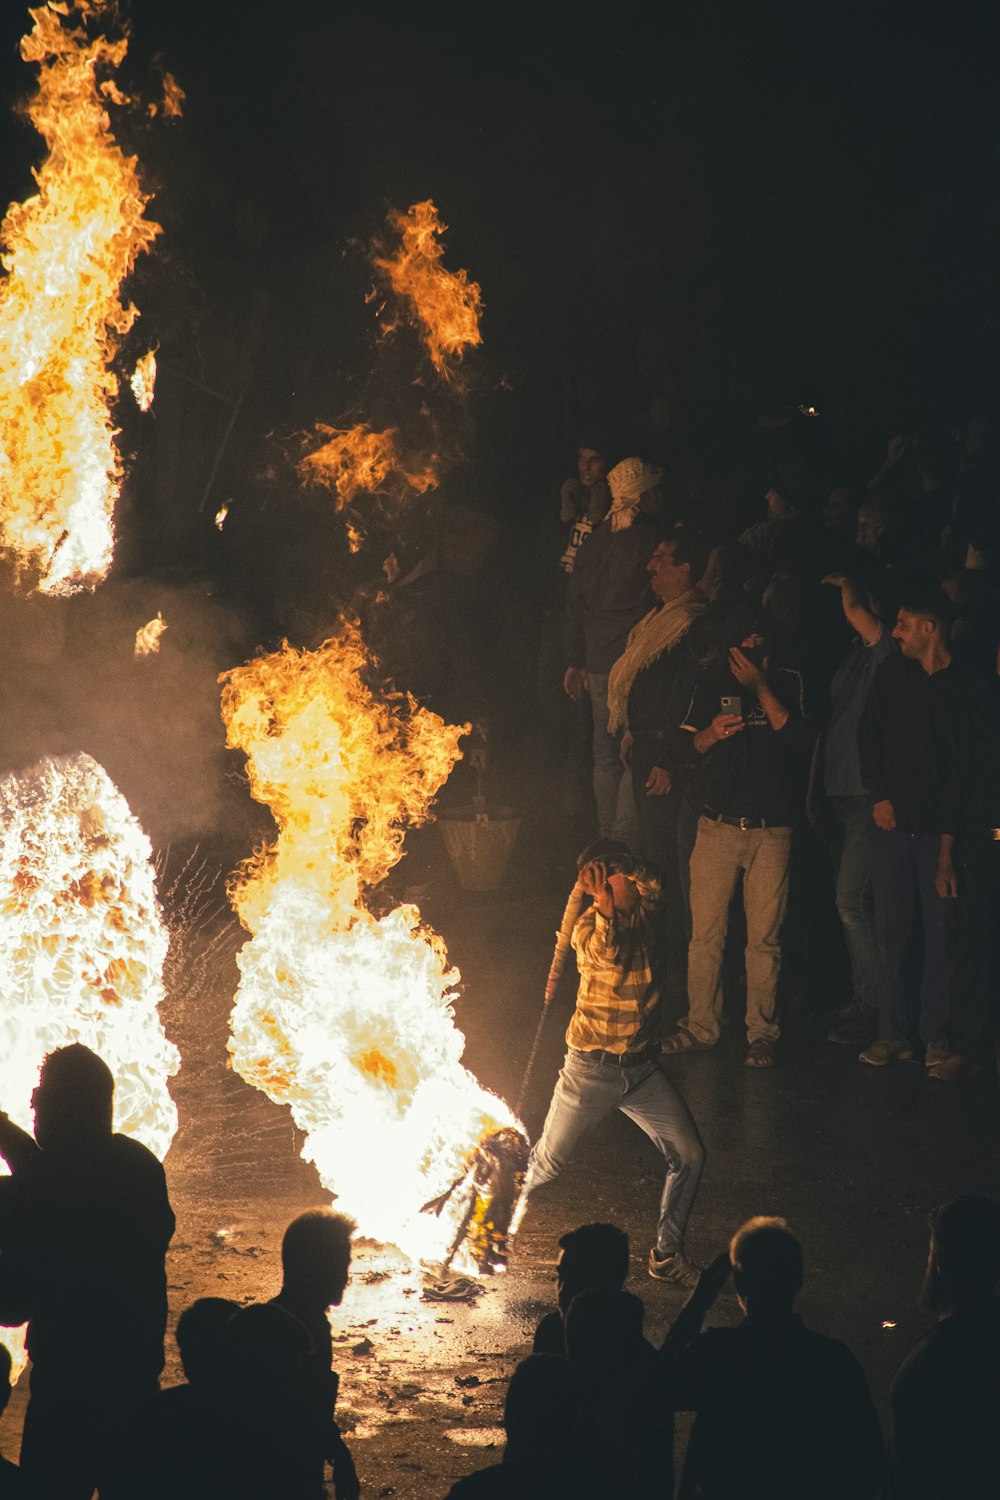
(66,251)
(342,1015)
(82,945)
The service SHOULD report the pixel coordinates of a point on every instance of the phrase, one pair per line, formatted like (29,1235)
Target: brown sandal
(682,1041)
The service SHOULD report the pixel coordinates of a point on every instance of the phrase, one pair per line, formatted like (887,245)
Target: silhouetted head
(963,1266)
(603,1328)
(5,1385)
(316,1257)
(74,1100)
(592,1258)
(767,1266)
(542,1409)
(200,1330)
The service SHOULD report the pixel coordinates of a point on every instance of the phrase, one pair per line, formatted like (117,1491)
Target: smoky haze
(72,682)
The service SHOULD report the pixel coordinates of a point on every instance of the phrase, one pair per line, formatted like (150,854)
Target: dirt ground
(854,1157)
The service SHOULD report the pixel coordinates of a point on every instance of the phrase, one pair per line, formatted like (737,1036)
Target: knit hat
(628,482)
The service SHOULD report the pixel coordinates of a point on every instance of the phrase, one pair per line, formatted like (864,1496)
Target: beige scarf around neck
(655,633)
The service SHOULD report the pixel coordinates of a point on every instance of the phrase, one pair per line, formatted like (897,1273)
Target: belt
(619,1059)
(743,823)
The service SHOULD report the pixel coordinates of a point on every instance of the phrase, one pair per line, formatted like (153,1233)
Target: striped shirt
(618,1002)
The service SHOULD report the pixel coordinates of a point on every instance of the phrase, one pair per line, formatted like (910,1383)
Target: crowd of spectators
(800,719)
(780,1411)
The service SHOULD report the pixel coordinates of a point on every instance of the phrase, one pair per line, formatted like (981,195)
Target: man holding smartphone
(753,740)
(612,1055)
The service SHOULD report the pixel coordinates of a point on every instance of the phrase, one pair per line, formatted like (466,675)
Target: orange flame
(444,305)
(82,946)
(355,459)
(66,251)
(343,1016)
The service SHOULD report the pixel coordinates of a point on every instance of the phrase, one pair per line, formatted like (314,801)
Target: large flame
(444,305)
(66,251)
(353,459)
(82,945)
(344,1016)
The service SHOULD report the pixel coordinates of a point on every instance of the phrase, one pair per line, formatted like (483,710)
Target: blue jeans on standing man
(904,866)
(855,896)
(591,1087)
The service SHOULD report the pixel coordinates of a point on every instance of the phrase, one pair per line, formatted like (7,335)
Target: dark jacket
(900,747)
(609,592)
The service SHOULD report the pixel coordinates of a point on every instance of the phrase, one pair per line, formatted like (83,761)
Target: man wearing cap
(609,593)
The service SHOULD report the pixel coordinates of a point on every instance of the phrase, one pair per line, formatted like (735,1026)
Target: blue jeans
(616,815)
(855,897)
(904,866)
(588,1090)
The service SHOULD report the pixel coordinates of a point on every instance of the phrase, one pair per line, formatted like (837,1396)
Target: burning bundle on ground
(82,943)
(66,251)
(342,1015)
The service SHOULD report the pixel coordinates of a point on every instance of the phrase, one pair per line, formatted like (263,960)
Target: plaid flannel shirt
(618,1001)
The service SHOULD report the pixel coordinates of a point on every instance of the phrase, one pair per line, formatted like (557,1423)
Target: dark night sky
(679,214)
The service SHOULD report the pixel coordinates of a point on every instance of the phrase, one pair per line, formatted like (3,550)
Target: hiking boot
(853,1025)
(886,1050)
(676,1269)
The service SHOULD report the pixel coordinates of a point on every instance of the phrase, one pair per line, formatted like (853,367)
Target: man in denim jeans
(753,739)
(612,1056)
(856,1022)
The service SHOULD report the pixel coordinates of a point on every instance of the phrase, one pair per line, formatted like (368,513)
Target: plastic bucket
(479,844)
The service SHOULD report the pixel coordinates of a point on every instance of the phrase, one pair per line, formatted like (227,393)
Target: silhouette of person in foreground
(782,1413)
(547,1456)
(593,1258)
(627,1395)
(316,1263)
(172,1446)
(267,1437)
(12,1485)
(85,1222)
(945,1434)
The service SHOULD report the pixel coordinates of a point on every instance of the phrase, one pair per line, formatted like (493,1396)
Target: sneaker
(853,1025)
(886,1050)
(936,1052)
(676,1269)
(951,1068)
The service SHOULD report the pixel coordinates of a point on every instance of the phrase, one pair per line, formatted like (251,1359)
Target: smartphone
(730,705)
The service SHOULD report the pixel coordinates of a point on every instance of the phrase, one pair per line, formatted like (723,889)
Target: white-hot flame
(82,945)
(344,1016)
(66,251)
(143,381)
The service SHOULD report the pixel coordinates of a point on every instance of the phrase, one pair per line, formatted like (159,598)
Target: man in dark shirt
(593,1258)
(945,1438)
(782,1413)
(84,1229)
(751,732)
(904,766)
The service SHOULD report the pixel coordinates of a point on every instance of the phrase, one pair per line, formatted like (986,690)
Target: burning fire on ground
(342,1015)
(66,251)
(82,945)
(443,305)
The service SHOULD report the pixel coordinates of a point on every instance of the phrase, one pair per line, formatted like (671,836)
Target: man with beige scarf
(648,692)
